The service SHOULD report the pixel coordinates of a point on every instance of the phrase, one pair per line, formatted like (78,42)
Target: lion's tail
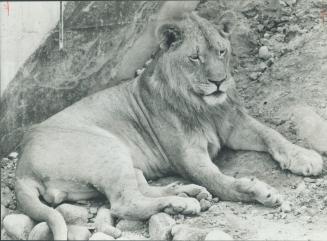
(27,194)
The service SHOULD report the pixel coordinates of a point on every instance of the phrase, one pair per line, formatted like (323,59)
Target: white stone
(160,226)
(13,155)
(101,236)
(4,212)
(264,53)
(130,225)
(218,235)
(286,207)
(18,225)
(41,231)
(186,232)
(73,214)
(76,232)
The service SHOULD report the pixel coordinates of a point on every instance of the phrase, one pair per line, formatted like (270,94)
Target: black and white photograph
(163,120)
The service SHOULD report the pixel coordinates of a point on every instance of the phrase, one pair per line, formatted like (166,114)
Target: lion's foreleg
(198,166)
(250,134)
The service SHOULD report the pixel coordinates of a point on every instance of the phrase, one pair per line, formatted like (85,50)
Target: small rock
(260,27)
(101,236)
(160,226)
(254,75)
(131,236)
(310,180)
(286,207)
(264,53)
(18,225)
(300,187)
(325,201)
(218,235)
(185,232)
(205,205)
(215,199)
(104,223)
(270,216)
(214,209)
(130,225)
(263,66)
(73,214)
(76,232)
(311,212)
(139,71)
(5,235)
(93,210)
(13,155)
(4,212)
(41,231)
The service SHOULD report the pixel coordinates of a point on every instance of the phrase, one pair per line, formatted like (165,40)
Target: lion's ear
(169,35)
(226,23)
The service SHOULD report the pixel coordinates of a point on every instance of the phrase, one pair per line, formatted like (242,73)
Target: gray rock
(73,214)
(254,75)
(13,155)
(104,222)
(4,212)
(132,236)
(185,232)
(130,225)
(160,226)
(18,225)
(41,231)
(264,53)
(5,235)
(218,235)
(76,232)
(101,236)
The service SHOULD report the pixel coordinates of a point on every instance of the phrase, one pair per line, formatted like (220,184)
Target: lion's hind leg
(173,189)
(127,201)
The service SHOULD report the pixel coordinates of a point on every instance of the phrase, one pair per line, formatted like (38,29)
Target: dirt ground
(296,73)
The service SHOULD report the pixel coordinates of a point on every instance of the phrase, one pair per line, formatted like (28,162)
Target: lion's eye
(194,58)
(222,52)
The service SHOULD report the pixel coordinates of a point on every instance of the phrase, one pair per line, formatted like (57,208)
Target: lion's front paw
(303,162)
(259,191)
(189,206)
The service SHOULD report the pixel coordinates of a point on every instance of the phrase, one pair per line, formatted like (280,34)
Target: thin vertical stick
(61,26)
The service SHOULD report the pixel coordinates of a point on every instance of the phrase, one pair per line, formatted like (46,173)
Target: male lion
(173,119)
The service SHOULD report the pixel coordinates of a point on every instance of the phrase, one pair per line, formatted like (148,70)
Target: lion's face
(197,55)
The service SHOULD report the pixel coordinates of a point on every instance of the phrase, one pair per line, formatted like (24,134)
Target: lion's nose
(217,80)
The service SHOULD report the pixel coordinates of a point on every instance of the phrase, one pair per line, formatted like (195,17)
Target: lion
(172,119)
